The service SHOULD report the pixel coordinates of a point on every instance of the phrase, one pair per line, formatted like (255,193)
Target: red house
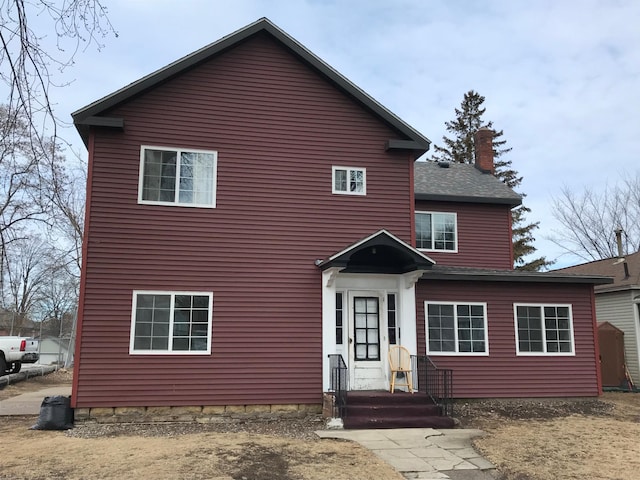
(255,220)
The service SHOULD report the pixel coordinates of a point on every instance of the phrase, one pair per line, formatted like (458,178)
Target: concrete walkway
(30,403)
(424,453)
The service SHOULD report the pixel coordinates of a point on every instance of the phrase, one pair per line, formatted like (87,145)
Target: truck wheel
(15,367)
(3,366)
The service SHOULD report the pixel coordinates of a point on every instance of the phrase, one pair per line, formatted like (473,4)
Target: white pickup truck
(14,351)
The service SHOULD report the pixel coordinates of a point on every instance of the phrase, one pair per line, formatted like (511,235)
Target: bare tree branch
(29,69)
(590,219)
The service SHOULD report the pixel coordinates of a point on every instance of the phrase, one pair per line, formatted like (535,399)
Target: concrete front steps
(381,409)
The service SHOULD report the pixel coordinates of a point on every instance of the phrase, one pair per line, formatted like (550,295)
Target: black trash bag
(55,414)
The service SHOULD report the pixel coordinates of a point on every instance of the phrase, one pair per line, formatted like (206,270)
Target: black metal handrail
(339,384)
(436,382)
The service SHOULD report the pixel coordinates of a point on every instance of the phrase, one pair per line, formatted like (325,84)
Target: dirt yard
(240,451)
(534,440)
(551,440)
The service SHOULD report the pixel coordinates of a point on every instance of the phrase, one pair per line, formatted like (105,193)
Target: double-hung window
(170,176)
(171,322)
(544,329)
(456,328)
(436,231)
(349,181)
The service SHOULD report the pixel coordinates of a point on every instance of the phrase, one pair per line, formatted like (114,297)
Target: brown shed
(611,341)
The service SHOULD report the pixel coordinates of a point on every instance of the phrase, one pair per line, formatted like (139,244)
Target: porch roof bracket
(411,278)
(330,274)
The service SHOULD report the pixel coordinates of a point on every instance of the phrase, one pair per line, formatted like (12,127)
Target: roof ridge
(83,116)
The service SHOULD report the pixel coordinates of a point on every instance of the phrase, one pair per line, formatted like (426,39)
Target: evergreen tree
(461,148)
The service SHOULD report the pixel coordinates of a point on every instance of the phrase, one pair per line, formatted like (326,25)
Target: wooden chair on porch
(400,364)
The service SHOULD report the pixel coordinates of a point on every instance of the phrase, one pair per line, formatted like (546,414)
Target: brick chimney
(483,139)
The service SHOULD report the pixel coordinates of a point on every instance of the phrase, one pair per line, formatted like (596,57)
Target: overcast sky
(560,77)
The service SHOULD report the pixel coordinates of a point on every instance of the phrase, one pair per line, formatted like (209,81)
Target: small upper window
(544,330)
(436,231)
(350,181)
(177,177)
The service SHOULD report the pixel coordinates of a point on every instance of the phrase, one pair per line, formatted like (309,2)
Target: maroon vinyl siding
(503,373)
(484,234)
(278,128)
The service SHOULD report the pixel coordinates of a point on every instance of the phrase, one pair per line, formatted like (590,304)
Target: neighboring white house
(53,350)
(619,303)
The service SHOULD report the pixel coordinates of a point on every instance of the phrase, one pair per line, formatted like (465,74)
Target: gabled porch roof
(381,252)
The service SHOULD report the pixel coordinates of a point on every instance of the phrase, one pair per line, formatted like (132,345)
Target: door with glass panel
(368,343)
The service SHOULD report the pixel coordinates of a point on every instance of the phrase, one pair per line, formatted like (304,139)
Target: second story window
(436,231)
(178,177)
(349,181)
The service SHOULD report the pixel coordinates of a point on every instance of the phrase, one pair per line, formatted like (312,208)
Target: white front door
(368,343)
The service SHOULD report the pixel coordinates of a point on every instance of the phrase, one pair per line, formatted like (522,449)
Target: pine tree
(461,149)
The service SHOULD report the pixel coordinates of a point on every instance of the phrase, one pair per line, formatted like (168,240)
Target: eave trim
(410,145)
(468,199)
(110,122)
(515,276)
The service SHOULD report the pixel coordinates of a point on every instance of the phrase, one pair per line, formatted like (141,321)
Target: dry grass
(601,445)
(40,455)
(242,451)
(534,440)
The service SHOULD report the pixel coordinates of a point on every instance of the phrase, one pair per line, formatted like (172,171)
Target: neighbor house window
(456,328)
(436,231)
(177,177)
(351,181)
(544,329)
(171,322)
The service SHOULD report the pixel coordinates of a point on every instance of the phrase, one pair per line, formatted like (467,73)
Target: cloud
(560,78)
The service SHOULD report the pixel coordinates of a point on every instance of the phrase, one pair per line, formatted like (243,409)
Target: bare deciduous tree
(20,168)
(57,302)
(27,267)
(68,199)
(589,220)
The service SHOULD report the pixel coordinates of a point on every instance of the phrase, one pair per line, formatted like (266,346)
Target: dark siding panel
(278,129)
(502,373)
(483,234)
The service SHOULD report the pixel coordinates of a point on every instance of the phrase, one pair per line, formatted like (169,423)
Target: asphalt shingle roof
(444,272)
(611,267)
(460,182)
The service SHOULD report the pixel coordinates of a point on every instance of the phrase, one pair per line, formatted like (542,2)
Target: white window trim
(349,170)
(544,353)
(456,353)
(178,151)
(455,225)
(173,294)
